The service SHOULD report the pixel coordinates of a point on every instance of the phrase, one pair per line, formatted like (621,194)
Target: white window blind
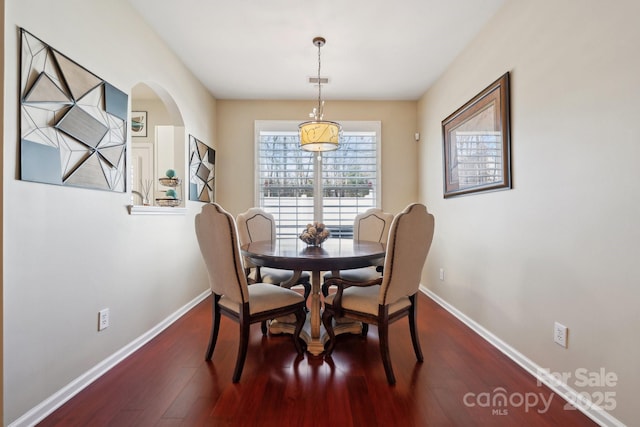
(299,187)
(478,156)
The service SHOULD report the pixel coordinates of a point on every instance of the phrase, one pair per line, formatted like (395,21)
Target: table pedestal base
(313,332)
(315,346)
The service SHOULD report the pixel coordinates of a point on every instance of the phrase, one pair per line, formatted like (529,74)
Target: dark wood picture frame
(477,143)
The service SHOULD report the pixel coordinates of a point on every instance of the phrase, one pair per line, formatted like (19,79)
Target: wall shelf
(155,210)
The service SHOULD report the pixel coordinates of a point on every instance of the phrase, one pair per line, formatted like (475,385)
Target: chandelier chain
(320,106)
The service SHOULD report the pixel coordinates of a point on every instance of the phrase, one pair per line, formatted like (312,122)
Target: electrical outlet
(103,319)
(442,274)
(560,334)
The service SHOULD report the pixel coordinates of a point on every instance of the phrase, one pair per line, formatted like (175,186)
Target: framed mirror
(476,143)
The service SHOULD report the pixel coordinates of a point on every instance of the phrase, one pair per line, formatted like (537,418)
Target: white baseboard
(38,413)
(594,412)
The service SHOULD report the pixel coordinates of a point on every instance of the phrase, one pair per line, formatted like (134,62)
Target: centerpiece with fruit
(315,234)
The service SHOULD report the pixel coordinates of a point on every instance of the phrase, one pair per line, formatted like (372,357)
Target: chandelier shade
(318,134)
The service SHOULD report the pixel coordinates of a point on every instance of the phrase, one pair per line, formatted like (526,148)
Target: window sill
(155,210)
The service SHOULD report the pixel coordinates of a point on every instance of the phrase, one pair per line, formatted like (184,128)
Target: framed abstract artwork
(477,141)
(202,171)
(138,123)
(72,122)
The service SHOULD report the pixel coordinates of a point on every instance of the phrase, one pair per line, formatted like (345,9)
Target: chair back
(372,225)
(410,238)
(218,240)
(254,225)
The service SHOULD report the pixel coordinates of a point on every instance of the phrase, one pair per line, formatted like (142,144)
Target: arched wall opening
(158,145)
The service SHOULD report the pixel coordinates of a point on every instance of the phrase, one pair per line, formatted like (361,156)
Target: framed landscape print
(477,141)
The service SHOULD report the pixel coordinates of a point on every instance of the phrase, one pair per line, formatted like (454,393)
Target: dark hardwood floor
(168,383)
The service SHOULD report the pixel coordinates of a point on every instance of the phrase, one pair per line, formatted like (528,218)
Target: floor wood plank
(167,382)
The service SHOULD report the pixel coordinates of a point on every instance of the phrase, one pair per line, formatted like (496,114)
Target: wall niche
(158,145)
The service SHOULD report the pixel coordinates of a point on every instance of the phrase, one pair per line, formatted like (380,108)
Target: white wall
(562,245)
(2,91)
(69,252)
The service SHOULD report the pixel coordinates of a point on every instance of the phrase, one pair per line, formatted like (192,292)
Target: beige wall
(563,244)
(70,252)
(235,156)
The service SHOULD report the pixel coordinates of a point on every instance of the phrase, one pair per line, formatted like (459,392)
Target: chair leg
(301,316)
(327,321)
(307,292)
(242,348)
(215,326)
(383,331)
(325,289)
(263,327)
(413,311)
(365,329)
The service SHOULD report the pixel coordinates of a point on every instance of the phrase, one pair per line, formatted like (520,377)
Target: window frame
(286,126)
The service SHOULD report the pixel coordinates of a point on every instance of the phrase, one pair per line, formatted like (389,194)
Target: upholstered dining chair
(372,225)
(254,225)
(231,295)
(393,296)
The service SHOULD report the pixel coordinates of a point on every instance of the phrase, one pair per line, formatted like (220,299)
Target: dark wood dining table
(333,255)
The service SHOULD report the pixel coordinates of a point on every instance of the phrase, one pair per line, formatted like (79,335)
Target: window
(299,187)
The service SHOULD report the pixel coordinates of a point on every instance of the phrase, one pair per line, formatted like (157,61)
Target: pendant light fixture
(319,134)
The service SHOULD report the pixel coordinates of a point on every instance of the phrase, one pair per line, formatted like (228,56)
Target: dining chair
(371,225)
(393,296)
(231,295)
(255,225)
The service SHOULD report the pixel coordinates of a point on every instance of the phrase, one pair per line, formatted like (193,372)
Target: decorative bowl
(168,202)
(169,182)
(315,234)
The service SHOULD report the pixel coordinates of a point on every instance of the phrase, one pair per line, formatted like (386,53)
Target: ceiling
(262,49)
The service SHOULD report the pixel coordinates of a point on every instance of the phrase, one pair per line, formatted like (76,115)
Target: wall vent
(314,80)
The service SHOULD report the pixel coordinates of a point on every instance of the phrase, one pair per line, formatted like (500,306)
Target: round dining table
(333,255)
